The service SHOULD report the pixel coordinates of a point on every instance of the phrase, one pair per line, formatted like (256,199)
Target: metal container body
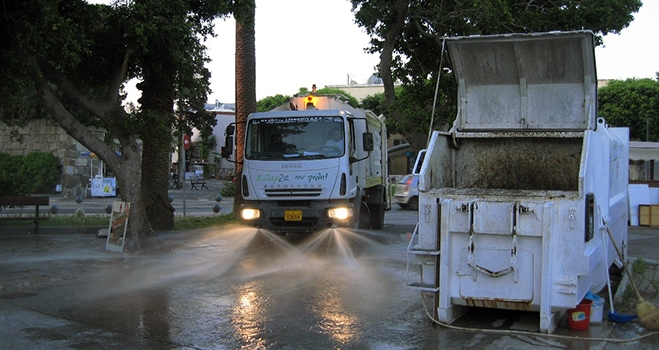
(540,247)
(515,198)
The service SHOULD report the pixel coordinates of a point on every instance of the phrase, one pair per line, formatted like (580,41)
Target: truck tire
(356,215)
(360,219)
(364,217)
(377,216)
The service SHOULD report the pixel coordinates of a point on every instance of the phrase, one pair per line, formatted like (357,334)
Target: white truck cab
(314,163)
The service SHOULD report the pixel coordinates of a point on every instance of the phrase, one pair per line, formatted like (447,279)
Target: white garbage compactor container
(515,199)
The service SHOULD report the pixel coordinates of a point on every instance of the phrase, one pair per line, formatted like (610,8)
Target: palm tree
(245,80)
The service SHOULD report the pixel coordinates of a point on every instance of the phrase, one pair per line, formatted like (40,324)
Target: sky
(305,42)
(298,43)
(633,53)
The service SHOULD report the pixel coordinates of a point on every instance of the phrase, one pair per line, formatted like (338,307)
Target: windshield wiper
(265,156)
(314,156)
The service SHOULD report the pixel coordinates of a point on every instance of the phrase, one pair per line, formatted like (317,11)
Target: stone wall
(48,136)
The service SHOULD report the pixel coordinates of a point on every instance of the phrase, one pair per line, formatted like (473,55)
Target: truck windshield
(295,138)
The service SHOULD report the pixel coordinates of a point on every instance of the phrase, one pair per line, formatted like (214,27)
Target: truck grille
(308,223)
(309,220)
(293,192)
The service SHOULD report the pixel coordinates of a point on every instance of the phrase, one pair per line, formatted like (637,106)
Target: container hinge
(513,250)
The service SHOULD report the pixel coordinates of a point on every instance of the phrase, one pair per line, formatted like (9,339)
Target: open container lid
(515,82)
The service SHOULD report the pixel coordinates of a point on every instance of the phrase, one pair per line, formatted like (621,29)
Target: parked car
(406,192)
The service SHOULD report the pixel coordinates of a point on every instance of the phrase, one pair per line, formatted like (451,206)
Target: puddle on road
(318,286)
(239,253)
(321,285)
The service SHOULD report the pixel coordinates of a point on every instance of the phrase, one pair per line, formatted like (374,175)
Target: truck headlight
(250,214)
(339,213)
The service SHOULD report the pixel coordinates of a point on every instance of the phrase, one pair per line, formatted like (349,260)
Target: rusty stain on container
(500,304)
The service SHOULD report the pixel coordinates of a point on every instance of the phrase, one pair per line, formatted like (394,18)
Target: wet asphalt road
(237,288)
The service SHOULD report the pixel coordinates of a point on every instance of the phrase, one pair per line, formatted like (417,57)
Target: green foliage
(628,299)
(229,189)
(68,59)
(408,36)
(271,102)
(414,102)
(352,101)
(11,183)
(42,171)
(63,33)
(34,173)
(375,103)
(639,267)
(633,103)
(208,146)
(417,45)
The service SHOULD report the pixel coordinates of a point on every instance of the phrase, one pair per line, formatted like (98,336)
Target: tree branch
(72,126)
(118,78)
(388,47)
(101,108)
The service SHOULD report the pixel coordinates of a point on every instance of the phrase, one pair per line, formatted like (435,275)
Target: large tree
(408,35)
(68,60)
(62,59)
(171,63)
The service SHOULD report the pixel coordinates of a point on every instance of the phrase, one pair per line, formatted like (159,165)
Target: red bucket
(578,319)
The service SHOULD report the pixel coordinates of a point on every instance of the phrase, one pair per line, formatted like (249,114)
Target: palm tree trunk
(245,81)
(157,104)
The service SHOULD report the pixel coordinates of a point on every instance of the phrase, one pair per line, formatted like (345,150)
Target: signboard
(186,142)
(118,226)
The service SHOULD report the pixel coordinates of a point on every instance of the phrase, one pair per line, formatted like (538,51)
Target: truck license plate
(292,215)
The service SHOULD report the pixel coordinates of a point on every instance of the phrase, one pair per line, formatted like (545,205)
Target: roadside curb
(49,230)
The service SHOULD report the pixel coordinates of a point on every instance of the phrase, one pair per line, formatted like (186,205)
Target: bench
(195,180)
(7,201)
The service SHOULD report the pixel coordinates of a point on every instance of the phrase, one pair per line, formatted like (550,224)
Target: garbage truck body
(314,163)
(515,200)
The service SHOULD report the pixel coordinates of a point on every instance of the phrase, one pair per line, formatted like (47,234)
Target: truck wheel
(364,214)
(360,219)
(356,214)
(377,216)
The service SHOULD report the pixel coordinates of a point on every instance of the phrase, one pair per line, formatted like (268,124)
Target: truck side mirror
(230,129)
(367,140)
(419,162)
(227,150)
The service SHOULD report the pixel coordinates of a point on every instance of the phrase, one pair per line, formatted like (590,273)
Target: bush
(11,183)
(43,170)
(38,172)
(229,189)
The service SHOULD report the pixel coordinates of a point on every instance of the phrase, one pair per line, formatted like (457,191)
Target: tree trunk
(126,167)
(155,186)
(388,47)
(245,82)
(139,232)
(157,103)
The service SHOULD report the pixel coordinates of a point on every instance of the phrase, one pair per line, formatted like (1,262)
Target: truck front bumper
(282,217)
